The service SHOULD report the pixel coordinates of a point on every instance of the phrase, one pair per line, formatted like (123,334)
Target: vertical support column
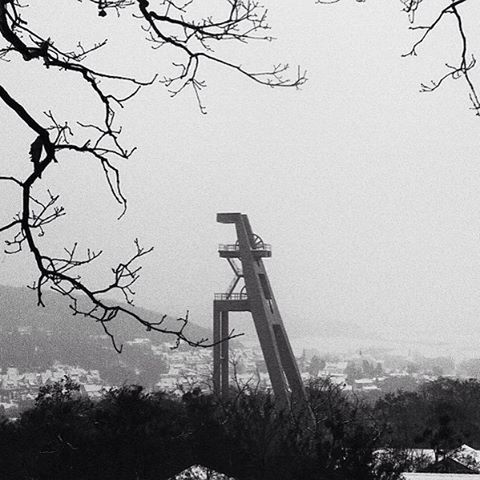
(224,355)
(216,350)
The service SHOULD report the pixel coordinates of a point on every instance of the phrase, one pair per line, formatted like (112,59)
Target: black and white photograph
(240,240)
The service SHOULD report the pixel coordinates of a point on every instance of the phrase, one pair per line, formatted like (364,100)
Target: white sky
(368,190)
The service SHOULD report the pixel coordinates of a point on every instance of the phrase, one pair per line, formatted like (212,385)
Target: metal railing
(228,248)
(235,247)
(230,296)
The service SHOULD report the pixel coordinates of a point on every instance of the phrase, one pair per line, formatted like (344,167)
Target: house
(439,476)
(12,373)
(167,383)
(92,391)
(8,405)
(364,384)
(335,368)
(370,388)
(464,459)
(462,463)
(339,379)
(198,472)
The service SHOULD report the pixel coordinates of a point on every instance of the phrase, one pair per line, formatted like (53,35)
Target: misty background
(368,191)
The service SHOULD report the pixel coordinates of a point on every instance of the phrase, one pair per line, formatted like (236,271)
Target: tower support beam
(217,367)
(224,354)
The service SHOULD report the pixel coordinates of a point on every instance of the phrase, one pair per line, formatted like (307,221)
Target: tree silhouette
(454,14)
(191,37)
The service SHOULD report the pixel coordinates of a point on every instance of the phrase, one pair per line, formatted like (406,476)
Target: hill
(33,338)
(18,307)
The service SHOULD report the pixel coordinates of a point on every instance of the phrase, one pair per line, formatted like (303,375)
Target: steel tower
(255,297)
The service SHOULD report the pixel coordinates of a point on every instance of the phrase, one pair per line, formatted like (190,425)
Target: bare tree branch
(465,62)
(167,22)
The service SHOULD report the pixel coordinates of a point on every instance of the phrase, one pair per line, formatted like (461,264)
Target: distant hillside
(18,307)
(33,338)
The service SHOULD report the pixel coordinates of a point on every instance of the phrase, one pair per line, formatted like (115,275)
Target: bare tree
(192,39)
(455,14)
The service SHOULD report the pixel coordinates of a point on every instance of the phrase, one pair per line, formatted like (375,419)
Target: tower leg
(224,354)
(290,366)
(272,361)
(216,351)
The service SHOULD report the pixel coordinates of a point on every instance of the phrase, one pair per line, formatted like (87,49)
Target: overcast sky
(368,190)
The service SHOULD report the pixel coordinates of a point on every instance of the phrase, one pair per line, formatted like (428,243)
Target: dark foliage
(131,434)
(441,415)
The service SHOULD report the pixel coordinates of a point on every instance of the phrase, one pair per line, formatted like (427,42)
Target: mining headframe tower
(245,257)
